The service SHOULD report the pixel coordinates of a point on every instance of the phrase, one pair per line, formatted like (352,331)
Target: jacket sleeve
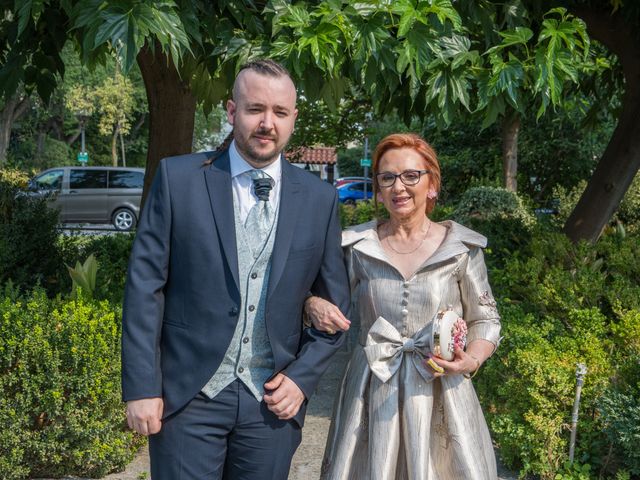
(331,283)
(144,298)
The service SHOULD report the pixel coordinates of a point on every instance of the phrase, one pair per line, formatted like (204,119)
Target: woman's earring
(431,194)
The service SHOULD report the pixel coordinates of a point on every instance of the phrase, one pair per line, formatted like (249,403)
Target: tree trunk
(510,129)
(114,145)
(13,109)
(172,108)
(124,159)
(621,159)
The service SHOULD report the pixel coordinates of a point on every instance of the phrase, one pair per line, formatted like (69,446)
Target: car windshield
(48,181)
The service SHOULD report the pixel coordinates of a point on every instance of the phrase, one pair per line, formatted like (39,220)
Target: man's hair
(262,66)
(265,66)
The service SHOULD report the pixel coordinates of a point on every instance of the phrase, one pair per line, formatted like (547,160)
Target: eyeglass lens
(408,177)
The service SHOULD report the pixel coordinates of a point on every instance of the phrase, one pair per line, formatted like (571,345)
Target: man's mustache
(265,133)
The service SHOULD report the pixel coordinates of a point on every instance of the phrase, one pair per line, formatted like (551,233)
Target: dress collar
(364,238)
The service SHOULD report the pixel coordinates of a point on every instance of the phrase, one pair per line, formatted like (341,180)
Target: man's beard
(245,147)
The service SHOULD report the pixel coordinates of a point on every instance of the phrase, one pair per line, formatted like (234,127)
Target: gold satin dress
(392,419)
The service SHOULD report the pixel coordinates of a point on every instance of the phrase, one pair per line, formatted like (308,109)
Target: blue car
(349,193)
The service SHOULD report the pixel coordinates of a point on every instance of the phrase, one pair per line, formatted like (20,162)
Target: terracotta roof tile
(316,155)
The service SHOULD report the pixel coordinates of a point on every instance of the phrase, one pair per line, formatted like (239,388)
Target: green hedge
(498,214)
(60,411)
(29,254)
(562,304)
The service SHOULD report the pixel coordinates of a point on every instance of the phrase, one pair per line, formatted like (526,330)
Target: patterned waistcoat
(249,355)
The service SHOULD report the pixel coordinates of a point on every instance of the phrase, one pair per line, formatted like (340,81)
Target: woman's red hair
(420,146)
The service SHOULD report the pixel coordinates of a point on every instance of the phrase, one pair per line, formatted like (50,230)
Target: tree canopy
(430,58)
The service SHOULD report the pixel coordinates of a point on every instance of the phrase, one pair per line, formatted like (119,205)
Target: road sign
(365,162)
(83,157)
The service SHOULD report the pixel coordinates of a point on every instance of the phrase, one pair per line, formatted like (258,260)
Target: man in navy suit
(217,366)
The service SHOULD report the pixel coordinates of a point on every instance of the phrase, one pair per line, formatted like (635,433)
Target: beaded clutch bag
(447,331)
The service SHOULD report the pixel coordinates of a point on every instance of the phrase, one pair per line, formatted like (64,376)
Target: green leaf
(406,22)
(23,12)
(521,35)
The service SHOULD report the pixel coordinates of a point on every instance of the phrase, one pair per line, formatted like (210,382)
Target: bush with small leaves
(563,304)
(498,214)
(60,410)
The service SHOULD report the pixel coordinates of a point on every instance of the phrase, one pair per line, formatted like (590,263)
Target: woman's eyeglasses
(408,177)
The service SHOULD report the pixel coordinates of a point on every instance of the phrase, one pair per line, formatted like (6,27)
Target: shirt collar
(239,165)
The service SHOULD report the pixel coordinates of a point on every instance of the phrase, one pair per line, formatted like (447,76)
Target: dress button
(251,308)
(405,284)
(240,370)
(405,293)
(254,275)
(234,311)
(404,302)
(405,312)
(245,340)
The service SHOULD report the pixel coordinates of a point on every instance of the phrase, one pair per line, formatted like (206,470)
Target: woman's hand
(325,316)
(463,363)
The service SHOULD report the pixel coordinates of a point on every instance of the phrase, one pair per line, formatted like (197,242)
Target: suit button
(251,308)
(254,275)
(245,340)
(240,370)
(234,311)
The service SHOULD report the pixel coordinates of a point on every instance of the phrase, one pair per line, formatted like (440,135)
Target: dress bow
(386,350)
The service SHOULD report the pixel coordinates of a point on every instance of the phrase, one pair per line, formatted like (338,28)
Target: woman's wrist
(472,373)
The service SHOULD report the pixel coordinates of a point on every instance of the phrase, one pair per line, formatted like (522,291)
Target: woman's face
(403,201)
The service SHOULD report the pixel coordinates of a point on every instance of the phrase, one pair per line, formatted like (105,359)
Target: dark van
(93,194)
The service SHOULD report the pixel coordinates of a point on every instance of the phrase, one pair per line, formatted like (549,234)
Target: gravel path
(308,458)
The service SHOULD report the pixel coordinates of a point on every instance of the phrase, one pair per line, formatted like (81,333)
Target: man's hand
(284,397)
(144,415)
(325,316)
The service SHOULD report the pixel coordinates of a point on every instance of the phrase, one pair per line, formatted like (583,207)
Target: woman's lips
(400,201)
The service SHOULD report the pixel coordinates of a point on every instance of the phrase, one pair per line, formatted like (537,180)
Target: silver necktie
(260,217)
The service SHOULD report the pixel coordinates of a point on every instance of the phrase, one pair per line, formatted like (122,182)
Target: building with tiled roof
(319,160)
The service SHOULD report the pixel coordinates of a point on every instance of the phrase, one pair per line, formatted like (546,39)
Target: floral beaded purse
(447,332)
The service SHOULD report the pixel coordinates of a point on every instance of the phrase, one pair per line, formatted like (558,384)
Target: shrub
(621,417)
(629,211)
(60,411)
(498,214)
(562,304)
(28,234)
(111,252)
(528,390)
(491,203)
(361,212)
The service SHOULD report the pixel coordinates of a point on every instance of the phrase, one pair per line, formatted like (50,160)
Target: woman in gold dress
(396,417)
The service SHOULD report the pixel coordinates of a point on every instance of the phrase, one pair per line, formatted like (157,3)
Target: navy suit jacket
(182,299)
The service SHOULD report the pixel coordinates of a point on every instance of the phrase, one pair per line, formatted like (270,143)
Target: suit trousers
(230,437)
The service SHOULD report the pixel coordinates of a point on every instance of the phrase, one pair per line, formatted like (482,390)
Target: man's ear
(231,111)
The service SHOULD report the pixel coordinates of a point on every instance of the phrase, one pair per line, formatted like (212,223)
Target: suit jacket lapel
(218,179)
(289,209)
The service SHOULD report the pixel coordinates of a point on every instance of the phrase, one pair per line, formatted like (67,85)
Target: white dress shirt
(242,185)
